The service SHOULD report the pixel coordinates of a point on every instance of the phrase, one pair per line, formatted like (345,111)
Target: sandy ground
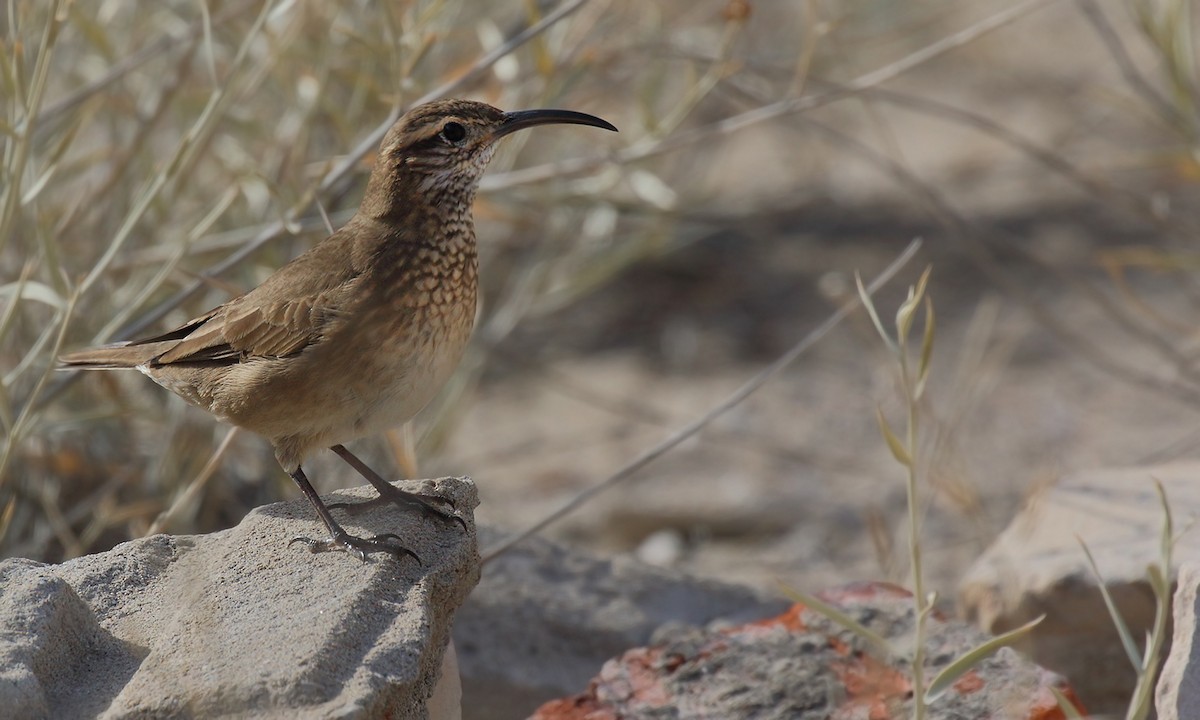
(796,484)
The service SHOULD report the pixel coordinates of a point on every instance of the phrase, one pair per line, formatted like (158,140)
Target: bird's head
(440,150)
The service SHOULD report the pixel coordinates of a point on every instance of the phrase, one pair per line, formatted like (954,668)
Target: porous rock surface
(237,623)
(545,618)
(802,666)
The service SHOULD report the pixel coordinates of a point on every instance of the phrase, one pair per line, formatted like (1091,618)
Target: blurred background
(159,158)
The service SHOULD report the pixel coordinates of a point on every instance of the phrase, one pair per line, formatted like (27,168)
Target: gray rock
(1177,696)
(802,666)
(237,623)
(544,619)
(1036,566)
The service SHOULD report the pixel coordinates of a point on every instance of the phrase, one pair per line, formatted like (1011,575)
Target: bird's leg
(392,494)
(338,538)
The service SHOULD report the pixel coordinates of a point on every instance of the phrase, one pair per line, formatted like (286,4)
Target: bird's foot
(425,504)
(358,546)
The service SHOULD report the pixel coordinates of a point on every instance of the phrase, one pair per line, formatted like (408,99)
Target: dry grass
(161,158)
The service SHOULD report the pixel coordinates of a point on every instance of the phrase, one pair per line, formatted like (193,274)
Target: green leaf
(904,318)
(38,185)
(1167,539)
(1122,629)
(1158,579)
(968,660)
(926,350)
(1159,574)
(923,281)
(904,315)
(898,450)
(1070,712)
(869,305)
(33,290)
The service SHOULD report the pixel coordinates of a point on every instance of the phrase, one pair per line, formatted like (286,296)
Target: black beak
(521,119)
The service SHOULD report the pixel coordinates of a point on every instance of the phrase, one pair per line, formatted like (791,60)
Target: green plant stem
(914,548)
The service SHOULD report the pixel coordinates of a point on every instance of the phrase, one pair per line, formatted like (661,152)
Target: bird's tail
(110,357)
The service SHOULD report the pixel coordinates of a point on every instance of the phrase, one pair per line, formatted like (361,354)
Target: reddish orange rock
(800,666)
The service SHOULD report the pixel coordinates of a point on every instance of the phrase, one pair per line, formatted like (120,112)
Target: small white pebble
(662,548)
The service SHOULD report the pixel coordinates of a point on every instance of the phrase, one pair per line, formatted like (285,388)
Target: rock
(801,666)
(1177,696)
(544,619)
(1036,566)
(237,623)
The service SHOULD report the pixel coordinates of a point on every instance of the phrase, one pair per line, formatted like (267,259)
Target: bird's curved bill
(521,119)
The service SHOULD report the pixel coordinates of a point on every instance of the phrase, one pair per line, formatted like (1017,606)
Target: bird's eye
(453,133)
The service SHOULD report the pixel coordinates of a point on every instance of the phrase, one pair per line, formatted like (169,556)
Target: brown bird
(357,334)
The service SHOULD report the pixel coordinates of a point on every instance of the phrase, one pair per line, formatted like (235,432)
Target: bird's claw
(357,546)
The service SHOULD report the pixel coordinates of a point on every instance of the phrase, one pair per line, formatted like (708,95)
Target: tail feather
(111,357)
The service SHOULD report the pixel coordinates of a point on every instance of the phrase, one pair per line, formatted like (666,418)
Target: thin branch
(942,209)
(1041,154)
(1125,64)
(790,106)
(132,62)
(981,254)
(189,496)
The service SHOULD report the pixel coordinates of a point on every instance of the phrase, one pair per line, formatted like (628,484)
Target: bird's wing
(243,330)
(291,310)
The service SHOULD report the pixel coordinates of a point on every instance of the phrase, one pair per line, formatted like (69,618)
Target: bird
(359,332)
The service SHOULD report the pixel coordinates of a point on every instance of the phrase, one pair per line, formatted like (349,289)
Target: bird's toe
(359,547)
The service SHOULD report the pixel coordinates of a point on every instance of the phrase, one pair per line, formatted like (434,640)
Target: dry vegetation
(160,158)
(157,158)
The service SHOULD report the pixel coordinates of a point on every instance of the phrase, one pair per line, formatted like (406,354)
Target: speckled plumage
(358,333)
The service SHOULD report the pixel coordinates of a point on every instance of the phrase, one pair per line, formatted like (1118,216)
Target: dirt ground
(797,484)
